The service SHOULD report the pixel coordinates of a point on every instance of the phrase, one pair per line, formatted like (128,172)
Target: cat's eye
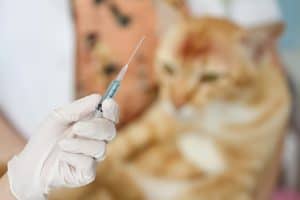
(209,77)
(168,68)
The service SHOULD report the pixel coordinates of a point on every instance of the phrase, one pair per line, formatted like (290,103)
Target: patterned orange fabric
(107,32)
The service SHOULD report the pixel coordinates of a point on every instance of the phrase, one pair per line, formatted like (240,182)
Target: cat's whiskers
(185,112)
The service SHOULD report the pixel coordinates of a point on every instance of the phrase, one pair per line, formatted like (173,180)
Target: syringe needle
(124,69)
(136,49)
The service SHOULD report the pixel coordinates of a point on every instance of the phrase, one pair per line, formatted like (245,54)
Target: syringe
(115,84)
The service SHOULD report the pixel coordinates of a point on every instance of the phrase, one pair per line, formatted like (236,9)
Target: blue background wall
(291,14)
(290,43)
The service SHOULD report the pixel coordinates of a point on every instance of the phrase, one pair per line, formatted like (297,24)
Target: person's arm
(11,142)
(5,189)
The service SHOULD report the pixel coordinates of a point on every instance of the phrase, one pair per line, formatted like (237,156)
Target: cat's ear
(169,12)
(267,33)
(262,38)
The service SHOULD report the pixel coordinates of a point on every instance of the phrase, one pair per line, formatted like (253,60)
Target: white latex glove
(65,149)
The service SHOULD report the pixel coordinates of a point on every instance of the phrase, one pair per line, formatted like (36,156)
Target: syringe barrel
(110,92)
(112,89)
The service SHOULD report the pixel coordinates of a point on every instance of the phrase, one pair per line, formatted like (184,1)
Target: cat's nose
(179,99)
(180,96)
(179,102)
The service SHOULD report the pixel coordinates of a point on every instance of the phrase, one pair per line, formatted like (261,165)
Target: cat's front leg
(154,126)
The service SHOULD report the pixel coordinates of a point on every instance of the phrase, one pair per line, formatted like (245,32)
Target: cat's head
(200,59)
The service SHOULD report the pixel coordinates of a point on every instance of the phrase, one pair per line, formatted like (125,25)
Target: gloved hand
(64,150)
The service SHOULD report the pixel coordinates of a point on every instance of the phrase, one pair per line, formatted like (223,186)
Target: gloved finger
(92,148)
(78,161)
(110,110)
(77,110)
(76,170)
(97,128)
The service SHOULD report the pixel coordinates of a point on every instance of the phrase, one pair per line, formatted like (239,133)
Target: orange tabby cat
(222,110)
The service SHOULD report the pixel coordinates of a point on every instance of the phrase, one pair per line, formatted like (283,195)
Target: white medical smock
(36,59)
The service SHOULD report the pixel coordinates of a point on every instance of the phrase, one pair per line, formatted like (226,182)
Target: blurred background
(289,49)
(52,52)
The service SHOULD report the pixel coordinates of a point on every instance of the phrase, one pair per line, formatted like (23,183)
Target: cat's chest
(213,119)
